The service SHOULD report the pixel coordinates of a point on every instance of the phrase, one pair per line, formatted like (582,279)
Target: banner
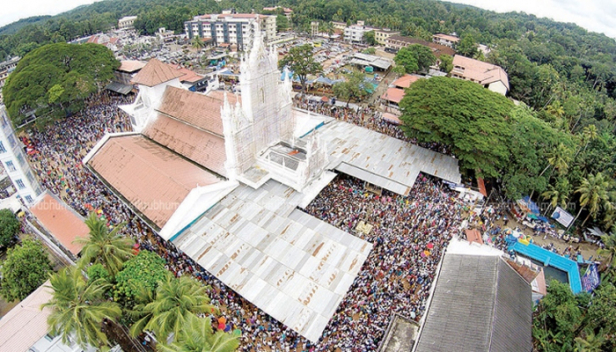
(563,217)
(590,279)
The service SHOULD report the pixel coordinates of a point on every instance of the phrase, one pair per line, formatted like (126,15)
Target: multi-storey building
(445,39)
(126,22)
(230,28)
(6,68)
(355,34)
(14,161)
(381,35)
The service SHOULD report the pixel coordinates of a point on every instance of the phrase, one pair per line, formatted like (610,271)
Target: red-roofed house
(488,75)
(445,39)
(393,96)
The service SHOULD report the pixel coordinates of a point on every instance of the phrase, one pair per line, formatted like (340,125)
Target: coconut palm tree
(589,134)
(559,159)
(558,194)
(609,252)
(78,308)
(198,336)
(594,193)
(104,246)
(176,300)
(197,43)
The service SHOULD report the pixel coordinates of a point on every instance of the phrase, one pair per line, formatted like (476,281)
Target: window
(20,183)
(2,149)
(20,159)
(12,141)
(30,177)
(10,166)
(29,199)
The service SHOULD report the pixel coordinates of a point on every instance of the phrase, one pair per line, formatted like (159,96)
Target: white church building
(224,176)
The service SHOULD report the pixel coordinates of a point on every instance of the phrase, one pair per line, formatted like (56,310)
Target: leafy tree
(355,87)
(144,271)
(415,58)
(24,270)
(370,38)
(282,23)
(369,51)
(467,46)
(9,227)
(463,115)
(594,193)
(57,78)
(176,300)
(531,141)
(609,253)
(301,61)
(79,306)
(103,246)
(198,336)
(558,194)
(446,63)
(98,271)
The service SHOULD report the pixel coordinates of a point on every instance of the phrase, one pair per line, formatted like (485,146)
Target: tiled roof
(393,94)
(202,147)
(473,236)
(149,176)
(64,224)
(26,323)
(406,81)
(201,111)
(155,73)
(437,49)
(131,66)
(187,75)
(479,71)
(479,304)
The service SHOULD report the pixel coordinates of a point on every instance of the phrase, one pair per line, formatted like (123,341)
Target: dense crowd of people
(409,235)
(365,117)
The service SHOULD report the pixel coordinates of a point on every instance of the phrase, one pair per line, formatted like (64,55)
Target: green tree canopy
(176,300)
(301,61)
(104,246)
(9,227)
(79,306)
(415,58)
(370,39)
(470,119)
(354,87)
(56,78)
(24,270)
(143,271)
(467,46)
(198,336)
(446,63)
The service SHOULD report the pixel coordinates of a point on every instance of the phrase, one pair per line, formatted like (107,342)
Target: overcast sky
(594,15)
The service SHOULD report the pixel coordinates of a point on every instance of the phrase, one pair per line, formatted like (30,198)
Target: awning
(391,118)
(119,88)
(482,186)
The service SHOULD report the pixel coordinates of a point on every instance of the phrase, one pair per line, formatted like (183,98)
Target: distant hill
(15,26)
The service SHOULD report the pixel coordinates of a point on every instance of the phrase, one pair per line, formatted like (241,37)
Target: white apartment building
(14,161)
(355,33)
(230,28)
(126,22)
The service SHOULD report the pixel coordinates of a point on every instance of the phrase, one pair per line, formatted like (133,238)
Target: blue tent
(531,205)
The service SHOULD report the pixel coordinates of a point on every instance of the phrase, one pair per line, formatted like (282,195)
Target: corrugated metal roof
(385,156)
(26,323)
(479,304)
(291,265)
(152,178)
(199,110)
(155,73)
(204,148)
(61,221)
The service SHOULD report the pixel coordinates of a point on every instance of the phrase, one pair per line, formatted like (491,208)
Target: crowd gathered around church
(409,234)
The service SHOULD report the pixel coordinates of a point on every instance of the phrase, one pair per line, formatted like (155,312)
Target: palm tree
(609,252)
(594,193)
(558,195)
(589,134)
(79,307)
(559,159)
(592,343)
(105,247)
(176,300)
(197,43)
(198,336)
